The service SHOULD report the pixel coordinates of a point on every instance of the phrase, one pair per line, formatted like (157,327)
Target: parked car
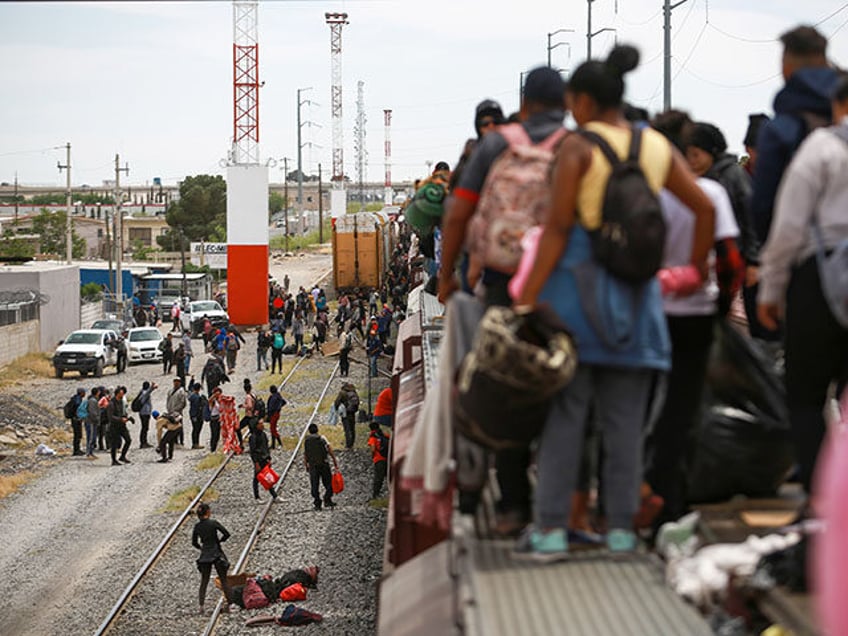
(110,324)
(87,351)
(192,316)
(143,345)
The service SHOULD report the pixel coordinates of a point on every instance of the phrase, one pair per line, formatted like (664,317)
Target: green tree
(50,226)
(276,202)
(12,247)
(48,199)
(200,212)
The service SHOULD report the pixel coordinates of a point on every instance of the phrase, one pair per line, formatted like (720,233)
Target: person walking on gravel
(278,341)
(214,418)
(350,399)
(92,422)
(176,402)
(146,409)
(103,441)
(166,346)
(72,409)
(232,346)
(188,351)
(275,403)
(316,450)
(214,373)
(260,453)
(197,404)
(117,415)
(208,535)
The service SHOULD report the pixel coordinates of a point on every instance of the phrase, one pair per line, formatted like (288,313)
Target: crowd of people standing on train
(752,234)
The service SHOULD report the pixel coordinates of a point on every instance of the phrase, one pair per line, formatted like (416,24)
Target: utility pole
(119,235)
(568,44)
(359,145)
(320,206)
(109,252)
(591,34)
(300,126)
(16,198)
(69,243)
(286,197)
(668,7)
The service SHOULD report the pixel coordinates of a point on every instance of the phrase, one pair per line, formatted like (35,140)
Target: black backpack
(258,407)
(383,445)
(135,405)
(315,450)
(352,402)
(70,411)
(631,240)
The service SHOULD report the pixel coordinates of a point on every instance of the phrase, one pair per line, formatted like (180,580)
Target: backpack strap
(552,141)
(635,145)
(515,135)
(601,143)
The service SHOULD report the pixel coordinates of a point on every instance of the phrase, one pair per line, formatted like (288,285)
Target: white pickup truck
(87,351)
(194,313)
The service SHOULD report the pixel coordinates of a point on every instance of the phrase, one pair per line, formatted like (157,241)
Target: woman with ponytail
(618,324)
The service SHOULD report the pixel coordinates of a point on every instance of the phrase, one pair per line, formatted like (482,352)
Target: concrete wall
(89,312)
(18,340)
(61,284)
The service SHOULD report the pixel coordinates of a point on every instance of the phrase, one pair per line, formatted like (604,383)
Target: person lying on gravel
(207,537)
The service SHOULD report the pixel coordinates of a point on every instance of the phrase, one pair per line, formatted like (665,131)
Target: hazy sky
(153,81)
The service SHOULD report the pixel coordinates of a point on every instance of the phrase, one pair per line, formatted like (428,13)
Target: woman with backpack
(232,346)
(278,342)
(590,281)
(297,331)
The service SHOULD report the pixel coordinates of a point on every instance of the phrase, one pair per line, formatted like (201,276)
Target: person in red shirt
(379,443)
(383,408)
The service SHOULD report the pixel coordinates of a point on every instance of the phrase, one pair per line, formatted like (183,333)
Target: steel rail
(266,508)
(160,549)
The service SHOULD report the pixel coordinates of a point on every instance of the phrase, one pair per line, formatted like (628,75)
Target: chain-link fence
(20,306)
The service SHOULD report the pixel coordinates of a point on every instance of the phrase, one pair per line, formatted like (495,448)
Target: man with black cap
(542,114)
(487,116)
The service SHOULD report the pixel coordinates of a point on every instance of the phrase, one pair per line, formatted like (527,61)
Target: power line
(838,29)
(692,50)
(837,12)
(740,38)
(29,152)
(640,23)
(729,86)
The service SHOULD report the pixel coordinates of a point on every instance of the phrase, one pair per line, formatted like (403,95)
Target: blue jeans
(187,362)
(90,437)
(373,361)
(261,358)
(619,396)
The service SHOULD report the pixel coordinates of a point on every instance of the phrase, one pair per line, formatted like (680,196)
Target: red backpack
(516,196)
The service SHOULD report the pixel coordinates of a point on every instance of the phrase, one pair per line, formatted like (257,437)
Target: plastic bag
(338,482)
(294,592)
(267,477)
(742,445)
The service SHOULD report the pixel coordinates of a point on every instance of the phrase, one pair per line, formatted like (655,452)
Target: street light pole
(552,47)
(300,159)
(668,7)
(591,34)
(69,243)
(286,197)
(320,207)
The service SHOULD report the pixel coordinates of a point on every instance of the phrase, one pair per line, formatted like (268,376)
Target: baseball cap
(544,85)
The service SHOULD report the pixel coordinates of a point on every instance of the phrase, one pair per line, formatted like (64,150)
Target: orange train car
(362,245)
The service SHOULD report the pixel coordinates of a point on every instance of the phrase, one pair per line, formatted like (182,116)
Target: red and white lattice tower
(388,195)
(247,180)
(339,199)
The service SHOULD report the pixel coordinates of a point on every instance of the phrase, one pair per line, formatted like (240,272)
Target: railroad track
(254,536)
(118,609)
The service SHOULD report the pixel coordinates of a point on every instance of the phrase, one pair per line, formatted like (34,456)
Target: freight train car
(362,245)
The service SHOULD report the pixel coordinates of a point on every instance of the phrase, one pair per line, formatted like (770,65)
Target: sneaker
(542,547)
(329,503)
(585,537)
(317,505)
(125,460)
(162,461)
(619,541)
(90,457)
(78,453)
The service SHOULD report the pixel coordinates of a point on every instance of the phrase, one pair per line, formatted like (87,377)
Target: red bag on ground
(338,482)
(267,477)
(294,592)
(253,596)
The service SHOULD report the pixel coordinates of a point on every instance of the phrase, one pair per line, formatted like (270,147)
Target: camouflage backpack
(516,196)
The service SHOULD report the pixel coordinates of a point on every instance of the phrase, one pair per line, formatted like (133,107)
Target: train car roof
(359,222)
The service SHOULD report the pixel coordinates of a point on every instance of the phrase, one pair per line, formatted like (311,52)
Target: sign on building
(212,254)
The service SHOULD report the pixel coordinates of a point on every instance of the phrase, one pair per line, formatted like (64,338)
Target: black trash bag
(742,445)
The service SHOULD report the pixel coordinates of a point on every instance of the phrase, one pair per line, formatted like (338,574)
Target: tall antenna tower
(247,180)
(336,22)
(388,195)
(361,150)
(245,82)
